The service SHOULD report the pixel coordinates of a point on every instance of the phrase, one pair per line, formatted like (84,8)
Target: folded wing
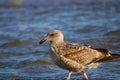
(83,54)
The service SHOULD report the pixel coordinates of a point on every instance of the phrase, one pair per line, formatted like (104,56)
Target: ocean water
(23,23)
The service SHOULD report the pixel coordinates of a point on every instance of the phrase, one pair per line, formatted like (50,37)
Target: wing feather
(82,54)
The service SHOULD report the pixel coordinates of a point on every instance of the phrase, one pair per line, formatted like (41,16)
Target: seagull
(75,57)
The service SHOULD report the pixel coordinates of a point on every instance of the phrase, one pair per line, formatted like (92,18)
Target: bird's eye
(51,34)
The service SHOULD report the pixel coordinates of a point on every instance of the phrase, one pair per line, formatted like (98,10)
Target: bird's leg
(69,75)
(85,75)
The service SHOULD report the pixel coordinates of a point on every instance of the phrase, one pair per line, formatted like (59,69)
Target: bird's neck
(55,48)
(57,43)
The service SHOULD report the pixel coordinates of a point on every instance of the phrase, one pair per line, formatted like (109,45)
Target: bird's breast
(53,54)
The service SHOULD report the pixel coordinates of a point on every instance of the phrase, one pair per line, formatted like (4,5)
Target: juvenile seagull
(75,57)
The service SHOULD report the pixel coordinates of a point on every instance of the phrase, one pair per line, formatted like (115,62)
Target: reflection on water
(23,23)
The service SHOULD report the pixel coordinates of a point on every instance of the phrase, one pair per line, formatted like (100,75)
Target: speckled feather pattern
(75,57)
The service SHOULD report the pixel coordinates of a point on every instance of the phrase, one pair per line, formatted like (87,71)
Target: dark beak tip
(42,41)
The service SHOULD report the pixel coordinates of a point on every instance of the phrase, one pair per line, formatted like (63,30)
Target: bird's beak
(43,40)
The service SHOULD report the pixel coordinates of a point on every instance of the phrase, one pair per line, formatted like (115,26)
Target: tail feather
(109,58)
(115,54)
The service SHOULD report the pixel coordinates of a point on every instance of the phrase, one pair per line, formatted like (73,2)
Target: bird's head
(54,36)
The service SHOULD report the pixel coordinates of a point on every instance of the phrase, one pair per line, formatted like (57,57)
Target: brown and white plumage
(75,57)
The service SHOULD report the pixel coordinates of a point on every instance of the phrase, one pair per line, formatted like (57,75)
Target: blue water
(25,22)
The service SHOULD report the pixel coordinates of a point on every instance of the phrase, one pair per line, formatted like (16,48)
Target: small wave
(29,62)
(113,33)
(2,64)
(86,29)
(18,43)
